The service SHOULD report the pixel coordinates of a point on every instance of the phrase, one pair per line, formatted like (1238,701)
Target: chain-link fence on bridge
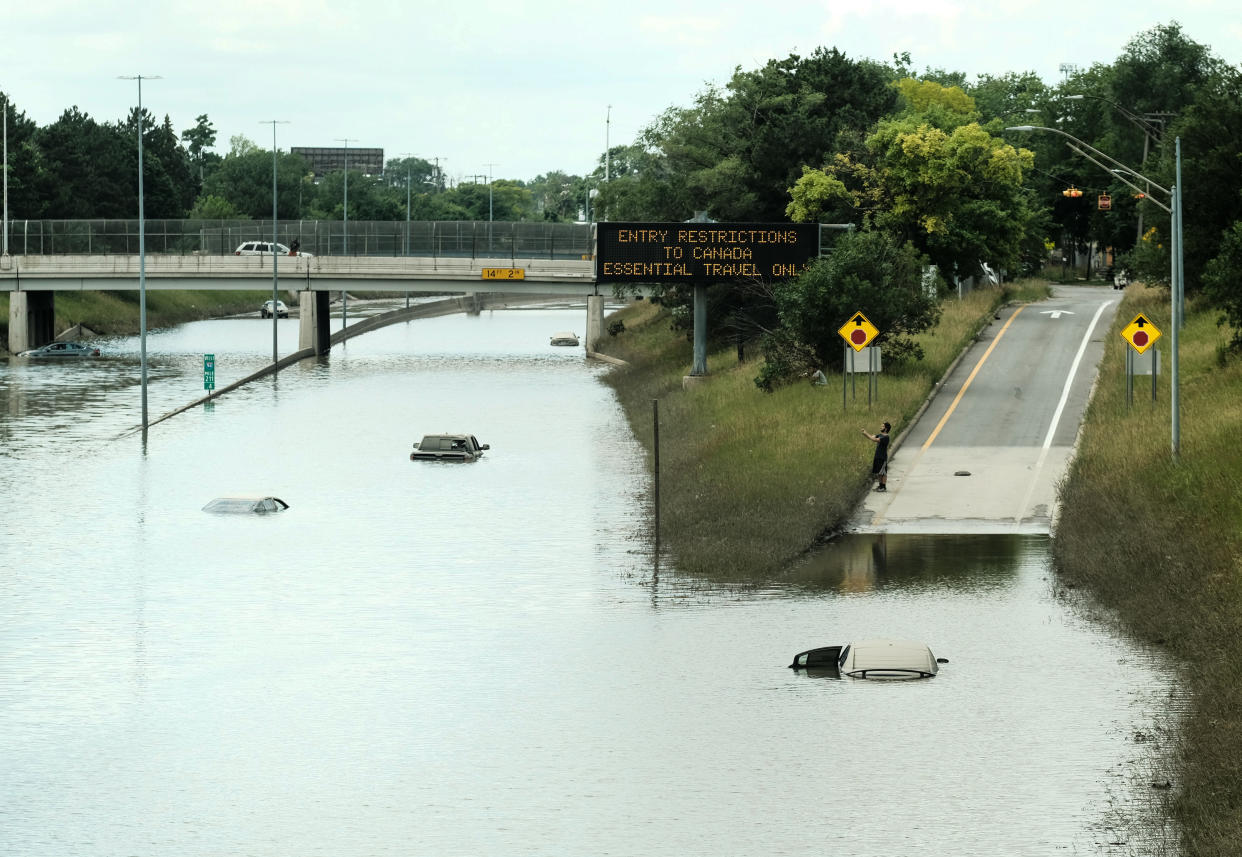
(456,238)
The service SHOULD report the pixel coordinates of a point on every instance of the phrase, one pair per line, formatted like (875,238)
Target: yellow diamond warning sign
(857,332)
(1140,333)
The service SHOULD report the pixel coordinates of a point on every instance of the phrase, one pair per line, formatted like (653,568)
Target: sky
(514,89)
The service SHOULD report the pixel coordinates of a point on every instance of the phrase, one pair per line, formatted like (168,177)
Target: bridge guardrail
(469,239)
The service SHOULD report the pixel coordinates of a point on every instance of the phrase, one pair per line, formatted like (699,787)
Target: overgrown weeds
(1158,539)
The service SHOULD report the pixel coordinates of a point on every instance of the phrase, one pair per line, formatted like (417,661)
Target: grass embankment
(116,313)
(1159,541)
(750,480)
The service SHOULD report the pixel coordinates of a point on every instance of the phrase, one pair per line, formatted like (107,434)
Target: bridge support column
(594,321)
(32,320)
(314,329)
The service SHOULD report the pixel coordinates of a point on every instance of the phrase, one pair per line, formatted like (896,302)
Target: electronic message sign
(702,252)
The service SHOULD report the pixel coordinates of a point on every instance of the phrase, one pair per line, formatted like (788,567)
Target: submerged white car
(873,659)
(246,504)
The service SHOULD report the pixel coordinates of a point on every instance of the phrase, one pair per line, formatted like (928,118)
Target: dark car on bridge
(62,349)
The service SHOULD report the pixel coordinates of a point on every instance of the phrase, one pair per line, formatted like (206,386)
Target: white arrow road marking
(1056,416)
(1056,313)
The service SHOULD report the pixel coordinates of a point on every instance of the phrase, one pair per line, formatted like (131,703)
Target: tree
(244,181)
(198,140)
(735,153)
(24,163)
(933,177)
(869,271)
(86,169)
(1220,283)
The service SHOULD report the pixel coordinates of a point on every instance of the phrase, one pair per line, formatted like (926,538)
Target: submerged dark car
(62,349)
(448,447)
(246,504)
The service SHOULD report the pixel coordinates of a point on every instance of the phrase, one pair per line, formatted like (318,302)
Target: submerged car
(62,349)
(281,310)
(448,447)
(873,659)
(246,504)
(565,337)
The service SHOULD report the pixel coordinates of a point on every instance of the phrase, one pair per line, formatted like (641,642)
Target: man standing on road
(879,464)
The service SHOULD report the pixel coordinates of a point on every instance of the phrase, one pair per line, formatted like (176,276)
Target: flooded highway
(482,658)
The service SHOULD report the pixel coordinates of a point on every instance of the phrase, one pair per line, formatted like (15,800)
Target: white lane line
(1056,416)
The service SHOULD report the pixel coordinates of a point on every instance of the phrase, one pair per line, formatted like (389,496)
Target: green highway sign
(209,371)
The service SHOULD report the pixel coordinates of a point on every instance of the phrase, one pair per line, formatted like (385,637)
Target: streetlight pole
(345,232)
(489,205)
(1146,125)
(607,149)
(407,156)
(1174,209)
(275,255)
(142,254)
(5,228)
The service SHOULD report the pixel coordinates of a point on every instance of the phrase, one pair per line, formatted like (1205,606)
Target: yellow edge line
(973,373)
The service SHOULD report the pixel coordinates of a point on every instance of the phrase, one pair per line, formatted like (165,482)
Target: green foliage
(869,272)
(1149,260)
(924,97)
(211,207)
(947,186)
(737,151)
(815,194)
(1222,283)
(243,179)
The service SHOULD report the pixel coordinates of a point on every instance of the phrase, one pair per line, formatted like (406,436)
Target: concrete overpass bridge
(32,282)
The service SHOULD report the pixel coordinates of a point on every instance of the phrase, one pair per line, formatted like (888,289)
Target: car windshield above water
(244,504)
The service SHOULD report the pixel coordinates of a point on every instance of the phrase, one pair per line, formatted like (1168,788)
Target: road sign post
(209,373)
(857,333)
(1141,335)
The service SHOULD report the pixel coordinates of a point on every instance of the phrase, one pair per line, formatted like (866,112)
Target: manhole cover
(962,473)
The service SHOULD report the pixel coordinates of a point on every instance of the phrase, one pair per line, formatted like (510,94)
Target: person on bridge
(294,247)
(879,464)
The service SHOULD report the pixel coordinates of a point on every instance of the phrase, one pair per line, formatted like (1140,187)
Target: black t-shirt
(881,451)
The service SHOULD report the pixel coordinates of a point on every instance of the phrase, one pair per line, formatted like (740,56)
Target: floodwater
(482,659)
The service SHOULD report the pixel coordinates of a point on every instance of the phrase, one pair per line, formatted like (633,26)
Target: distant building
(327,159)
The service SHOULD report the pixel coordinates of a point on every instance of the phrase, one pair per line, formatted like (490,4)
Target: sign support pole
(1153,376)
(1129,378)
(845,356)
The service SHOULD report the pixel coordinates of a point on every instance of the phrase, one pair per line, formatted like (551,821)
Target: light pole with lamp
(4,228)
(1174,210)
(275,255)
(142,255)
(489,205)
(407,156)
(607,150)
(1145,124)
(345,230)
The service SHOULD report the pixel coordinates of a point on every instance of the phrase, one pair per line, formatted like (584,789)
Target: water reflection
(484,659)
(859,563)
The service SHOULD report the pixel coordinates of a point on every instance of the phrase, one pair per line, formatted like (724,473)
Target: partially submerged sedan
(62,349)
(874,659)
(448,447)
(246,504)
